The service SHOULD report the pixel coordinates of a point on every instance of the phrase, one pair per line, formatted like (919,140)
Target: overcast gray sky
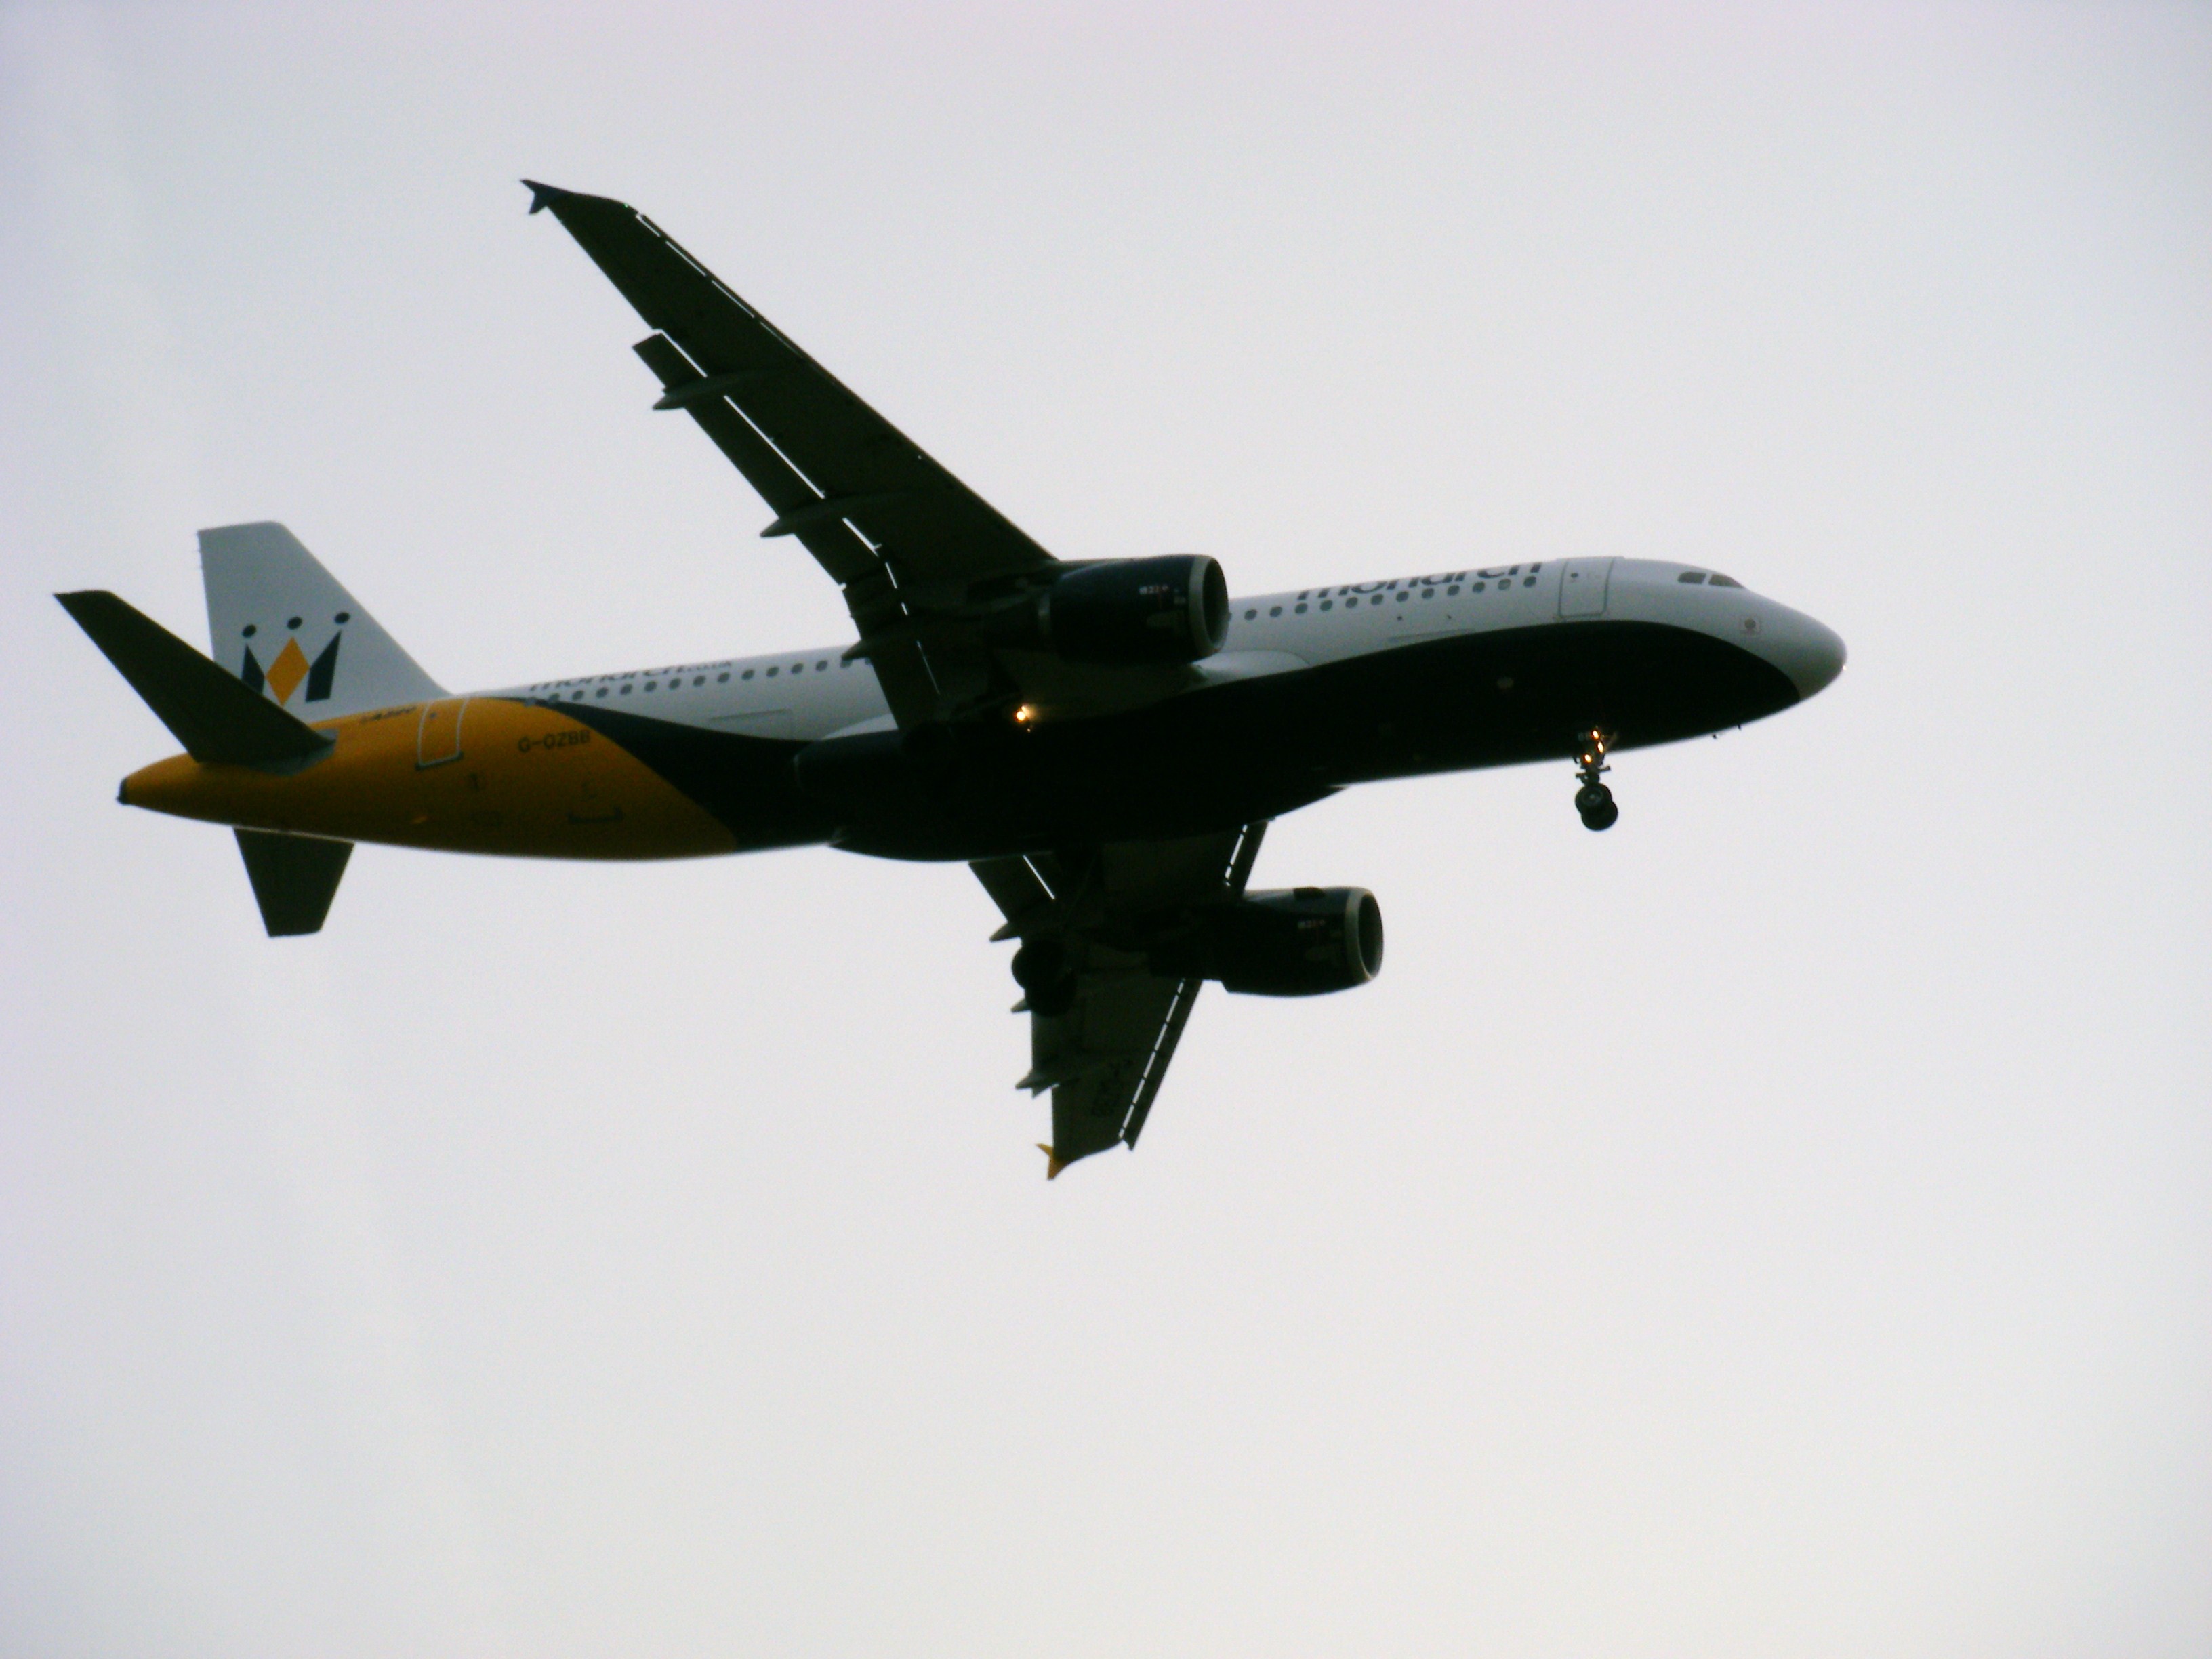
(1781,1225)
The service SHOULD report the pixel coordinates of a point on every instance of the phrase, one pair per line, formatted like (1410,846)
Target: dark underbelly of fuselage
(1215,759)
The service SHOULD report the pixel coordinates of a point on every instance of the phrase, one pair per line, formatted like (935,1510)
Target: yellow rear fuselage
(479,775)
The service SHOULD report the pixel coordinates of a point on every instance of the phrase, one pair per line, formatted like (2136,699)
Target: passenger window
(601,692)
(1452,592)
(748,674)
(1275,611)
(1404,595)
(625,691)
(1249,615)
(771,673)
(1328,605)
(651,685)
(1301,610)
(721,679)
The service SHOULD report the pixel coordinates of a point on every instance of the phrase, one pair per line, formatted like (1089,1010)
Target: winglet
(545,196)
(1053,1165)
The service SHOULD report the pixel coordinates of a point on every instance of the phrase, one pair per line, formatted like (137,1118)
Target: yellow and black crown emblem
(290,666)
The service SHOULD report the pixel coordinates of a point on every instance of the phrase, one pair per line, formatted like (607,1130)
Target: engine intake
(1305,942)
(1121,611)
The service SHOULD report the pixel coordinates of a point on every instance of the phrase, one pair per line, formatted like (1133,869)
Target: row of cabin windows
(1403,594)
(676,681)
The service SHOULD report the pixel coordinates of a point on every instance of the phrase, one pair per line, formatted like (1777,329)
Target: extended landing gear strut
(1593,800)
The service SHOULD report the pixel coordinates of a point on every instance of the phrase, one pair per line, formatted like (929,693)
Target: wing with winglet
(884,520)
(1102,1025)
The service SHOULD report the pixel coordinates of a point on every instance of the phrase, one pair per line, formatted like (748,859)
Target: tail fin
(277,620)
(215,717)
(295,877)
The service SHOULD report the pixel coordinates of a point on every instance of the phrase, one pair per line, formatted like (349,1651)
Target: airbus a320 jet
(1102,742)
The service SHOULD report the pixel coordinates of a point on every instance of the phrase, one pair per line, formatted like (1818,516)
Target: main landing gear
(1593,800)
(1041,970)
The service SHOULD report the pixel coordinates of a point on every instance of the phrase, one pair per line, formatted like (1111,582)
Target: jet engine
(1119,612)
(1302,943)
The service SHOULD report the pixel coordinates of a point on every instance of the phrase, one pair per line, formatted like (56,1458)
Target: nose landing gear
(1593,800)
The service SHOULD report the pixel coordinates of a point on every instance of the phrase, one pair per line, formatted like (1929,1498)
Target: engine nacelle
(1302,943)
(1121,612)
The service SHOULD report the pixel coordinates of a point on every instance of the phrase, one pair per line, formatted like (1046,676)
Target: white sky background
(1783,1224)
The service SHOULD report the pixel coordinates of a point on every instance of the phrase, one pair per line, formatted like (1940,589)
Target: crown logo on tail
(283,677)
(287,670)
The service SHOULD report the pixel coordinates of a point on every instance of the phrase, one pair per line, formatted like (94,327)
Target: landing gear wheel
(1593,800)
(1041,970)
(1053,999)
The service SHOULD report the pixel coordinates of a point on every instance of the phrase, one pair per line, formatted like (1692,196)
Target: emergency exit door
(438,737)
(1582,583)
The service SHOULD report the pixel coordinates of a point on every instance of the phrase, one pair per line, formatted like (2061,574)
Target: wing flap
(1020,894)
(1114,1046)
(926,524)
(1105,1053)
(871,591)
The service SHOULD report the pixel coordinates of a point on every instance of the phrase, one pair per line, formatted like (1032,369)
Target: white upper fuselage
(812,693)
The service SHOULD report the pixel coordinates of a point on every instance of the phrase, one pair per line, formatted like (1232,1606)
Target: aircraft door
(438,734)
(1582,585)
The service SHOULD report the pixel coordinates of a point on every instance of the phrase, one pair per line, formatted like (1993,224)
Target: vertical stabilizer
(295,877)
(285,626)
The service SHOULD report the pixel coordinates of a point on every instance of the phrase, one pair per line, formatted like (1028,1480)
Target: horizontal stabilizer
(217,718)
(295,877)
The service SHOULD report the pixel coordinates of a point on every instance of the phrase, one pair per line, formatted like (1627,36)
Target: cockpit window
(1691,576)
(1719,580)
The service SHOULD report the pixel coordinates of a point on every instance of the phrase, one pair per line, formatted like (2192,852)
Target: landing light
(1025,714)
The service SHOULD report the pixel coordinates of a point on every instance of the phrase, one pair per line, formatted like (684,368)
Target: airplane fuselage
(1313,691)
(1103,741)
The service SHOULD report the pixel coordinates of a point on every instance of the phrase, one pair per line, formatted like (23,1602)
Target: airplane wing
(886,521)
(1103,1028)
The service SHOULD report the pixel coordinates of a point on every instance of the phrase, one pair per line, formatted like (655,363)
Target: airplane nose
(1810,653)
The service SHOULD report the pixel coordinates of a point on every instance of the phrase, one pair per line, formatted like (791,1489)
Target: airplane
(1103,742)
